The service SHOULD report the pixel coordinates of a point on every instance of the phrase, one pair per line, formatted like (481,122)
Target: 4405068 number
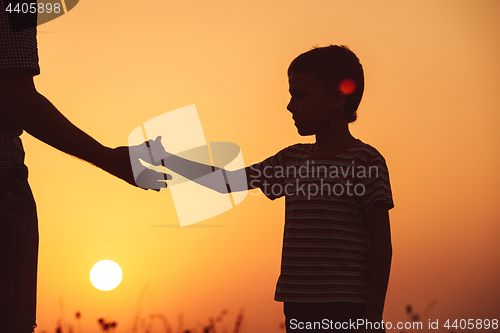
(471,324)
(33,8)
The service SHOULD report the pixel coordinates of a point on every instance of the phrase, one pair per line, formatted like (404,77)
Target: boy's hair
(331,65)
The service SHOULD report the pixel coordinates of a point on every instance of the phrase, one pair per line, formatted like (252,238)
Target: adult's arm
(21,103)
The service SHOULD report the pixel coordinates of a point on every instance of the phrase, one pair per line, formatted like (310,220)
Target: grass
(145,325)
(214,324)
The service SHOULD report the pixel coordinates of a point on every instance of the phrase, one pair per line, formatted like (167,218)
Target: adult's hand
(118,163)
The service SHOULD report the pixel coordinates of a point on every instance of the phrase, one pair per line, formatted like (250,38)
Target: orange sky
(430,107)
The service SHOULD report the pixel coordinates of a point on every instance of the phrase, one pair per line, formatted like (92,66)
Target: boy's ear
(337,98)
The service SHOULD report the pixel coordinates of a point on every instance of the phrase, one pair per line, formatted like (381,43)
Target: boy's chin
(303,132)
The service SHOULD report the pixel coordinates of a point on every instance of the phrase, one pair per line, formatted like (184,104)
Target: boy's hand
(143,158)
(118,163)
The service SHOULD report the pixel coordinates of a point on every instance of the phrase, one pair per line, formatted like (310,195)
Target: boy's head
(336,67)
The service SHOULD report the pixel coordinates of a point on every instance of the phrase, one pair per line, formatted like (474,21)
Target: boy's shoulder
(360,150)
(365,148)
(365,153)
(301,147)
(298,150)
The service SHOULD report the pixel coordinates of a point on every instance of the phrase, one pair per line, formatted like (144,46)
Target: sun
(106,275)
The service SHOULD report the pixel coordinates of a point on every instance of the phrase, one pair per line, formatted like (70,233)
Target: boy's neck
(333,141)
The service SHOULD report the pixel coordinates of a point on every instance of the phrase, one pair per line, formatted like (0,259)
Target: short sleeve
(376,184)
(268,173)
(18,45)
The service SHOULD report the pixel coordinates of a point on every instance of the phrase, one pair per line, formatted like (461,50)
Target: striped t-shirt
(326,247)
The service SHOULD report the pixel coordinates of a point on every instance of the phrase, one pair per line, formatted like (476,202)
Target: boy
(336,244)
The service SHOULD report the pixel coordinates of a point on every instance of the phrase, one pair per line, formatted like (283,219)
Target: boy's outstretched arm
(380,260)
(197,172)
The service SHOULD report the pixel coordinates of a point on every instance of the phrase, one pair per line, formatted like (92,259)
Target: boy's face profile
(313,106)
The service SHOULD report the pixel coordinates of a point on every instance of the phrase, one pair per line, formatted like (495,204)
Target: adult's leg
(18,253)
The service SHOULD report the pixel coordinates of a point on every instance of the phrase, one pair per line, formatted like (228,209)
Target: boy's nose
(289,107)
